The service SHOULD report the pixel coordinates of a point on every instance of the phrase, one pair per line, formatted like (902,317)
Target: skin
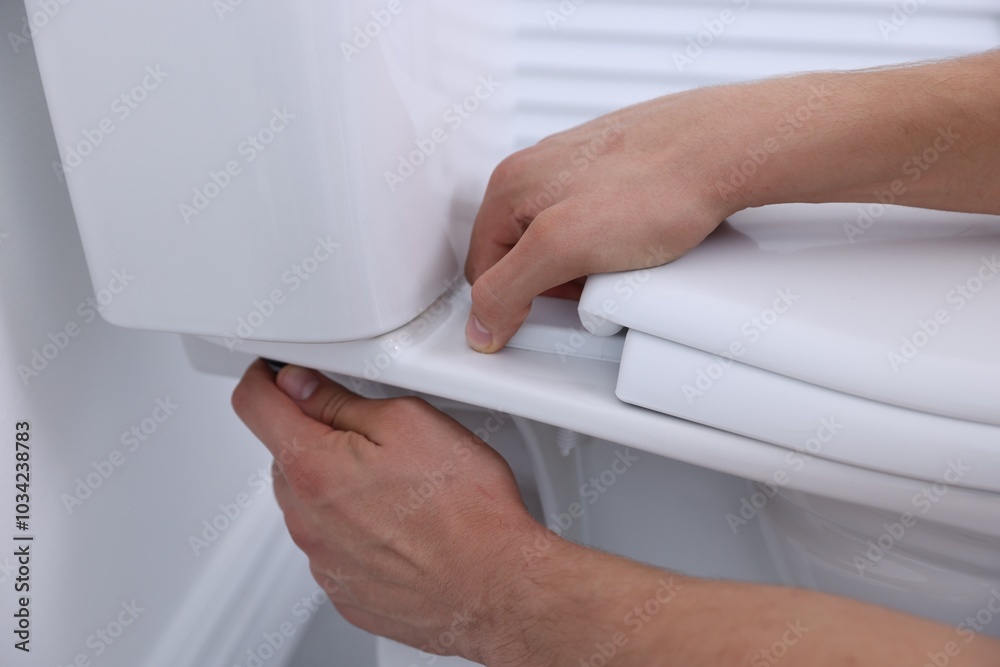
(467,571)
(648,183)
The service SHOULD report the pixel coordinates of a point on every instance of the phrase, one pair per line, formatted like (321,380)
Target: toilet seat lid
(893,304)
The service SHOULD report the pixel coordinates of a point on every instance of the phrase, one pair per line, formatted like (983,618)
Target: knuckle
(301,535)
(333,403)
(509,168)
(359,448)
(546,232)
(522,217)
(305,477)
(321,577)
(288,450)
(240,398)
(490,304)
(385,561)
(413,405)
(405,413)
(554,239)
(333,582)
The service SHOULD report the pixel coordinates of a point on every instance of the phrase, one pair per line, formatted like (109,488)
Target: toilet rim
(579,394)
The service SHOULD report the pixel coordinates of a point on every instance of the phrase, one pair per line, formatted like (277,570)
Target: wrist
(560,603)
(524,598)
(800,140)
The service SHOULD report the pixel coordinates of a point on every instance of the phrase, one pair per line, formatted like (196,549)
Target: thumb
(325,401)
(543,258)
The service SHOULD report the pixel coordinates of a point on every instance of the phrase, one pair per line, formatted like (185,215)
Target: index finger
(495,232)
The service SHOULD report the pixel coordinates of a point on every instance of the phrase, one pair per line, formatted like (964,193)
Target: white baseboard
(249,588)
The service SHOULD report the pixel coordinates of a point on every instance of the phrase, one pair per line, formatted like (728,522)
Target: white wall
(578,60)
(128,541)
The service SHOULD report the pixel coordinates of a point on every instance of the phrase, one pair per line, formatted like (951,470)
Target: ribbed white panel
(610,53)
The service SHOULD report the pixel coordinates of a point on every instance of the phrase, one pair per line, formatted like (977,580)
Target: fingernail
(299,383)
(478,336)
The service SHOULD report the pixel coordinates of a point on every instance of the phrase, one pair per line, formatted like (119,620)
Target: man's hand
(412,525)
(417,532)
(631,190)
(642,186)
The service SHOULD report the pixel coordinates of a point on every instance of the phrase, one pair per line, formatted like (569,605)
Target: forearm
(924,135)
(584,605)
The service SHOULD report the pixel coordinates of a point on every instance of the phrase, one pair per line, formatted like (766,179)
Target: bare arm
(644,185)
(467,571)
(923,135)
(586,604)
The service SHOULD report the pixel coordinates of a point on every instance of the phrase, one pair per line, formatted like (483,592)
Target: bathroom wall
(131,449)
(582,58)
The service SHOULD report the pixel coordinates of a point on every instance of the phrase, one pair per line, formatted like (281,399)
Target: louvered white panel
(611,53)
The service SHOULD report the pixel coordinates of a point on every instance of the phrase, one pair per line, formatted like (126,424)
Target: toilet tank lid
(894,304)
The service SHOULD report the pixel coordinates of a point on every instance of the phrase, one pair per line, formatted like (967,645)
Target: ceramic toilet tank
(265,173)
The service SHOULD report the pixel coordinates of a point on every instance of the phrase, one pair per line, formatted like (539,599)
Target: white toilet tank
(268,171)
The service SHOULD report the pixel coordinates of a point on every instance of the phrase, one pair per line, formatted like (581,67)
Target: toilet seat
(790,325)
